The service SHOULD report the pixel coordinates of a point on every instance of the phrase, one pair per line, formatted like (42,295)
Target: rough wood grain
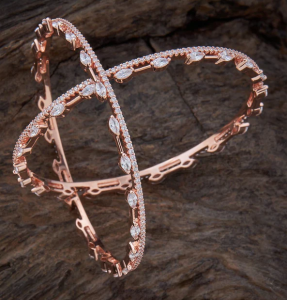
(215,232)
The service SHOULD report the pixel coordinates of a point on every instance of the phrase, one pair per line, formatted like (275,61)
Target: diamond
(101,90)
(160,62)
(57,110)
(135,231)
(263,77)
(125,163)
(19,151)
(125,271)
(33,131)
(88,90)
(114,125)
(70,37)
(133,256)
(85,58)
(132,199)
(249,64)
(55,24)
(225,56)
(123,74)
(194,56)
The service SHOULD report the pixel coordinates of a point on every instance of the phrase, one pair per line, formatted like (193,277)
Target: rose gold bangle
(45,124)
(99,85)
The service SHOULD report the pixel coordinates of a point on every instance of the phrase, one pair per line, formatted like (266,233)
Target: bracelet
(45,124)
(99,85)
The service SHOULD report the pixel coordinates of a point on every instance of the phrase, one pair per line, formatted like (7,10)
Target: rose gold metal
(46,124)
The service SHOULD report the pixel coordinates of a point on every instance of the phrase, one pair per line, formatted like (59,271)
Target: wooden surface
(215,232)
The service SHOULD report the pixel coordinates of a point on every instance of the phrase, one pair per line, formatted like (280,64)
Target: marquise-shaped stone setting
(114,125)
(194,56)
(132,199)
(226,56)
(125,163)
(85,58)
(133,256)
(34,131)
(88,90)
(135,231)
(70,36)
(249,64)
(19,151)
(160,62)
(57,110)
(123,74)
(101,91)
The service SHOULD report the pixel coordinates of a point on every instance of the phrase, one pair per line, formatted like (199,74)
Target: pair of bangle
(45,124)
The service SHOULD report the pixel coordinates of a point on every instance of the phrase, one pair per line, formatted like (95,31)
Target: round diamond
(125,163)
(132,199)
(135,231)
(70,37)
(85,58)
(123,74)
(33,131)
(88,90)
(160,62)
(101,90)
(114,125)
(57,110)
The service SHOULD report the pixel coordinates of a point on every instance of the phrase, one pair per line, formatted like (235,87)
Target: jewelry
(45,124)
(100,86)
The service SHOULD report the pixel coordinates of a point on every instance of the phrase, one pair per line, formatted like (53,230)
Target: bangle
(131,182)
(45,124)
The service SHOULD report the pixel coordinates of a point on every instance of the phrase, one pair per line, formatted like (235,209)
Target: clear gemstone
(34,131)
(114,125)
(55,24)
(263,77)
(85,58)
(133,256)
(160,62)
(70,36)
(101,90)
(88,90)
(125,163)
(19,151)
(196,56)
(125,271)
(225,56)
(123,74)
(57,110)
(249,64)
(135,231)
(132,199)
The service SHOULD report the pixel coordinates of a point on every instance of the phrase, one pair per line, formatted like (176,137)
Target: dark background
(214,232)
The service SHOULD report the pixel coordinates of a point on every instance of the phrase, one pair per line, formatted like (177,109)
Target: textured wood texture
(215,232)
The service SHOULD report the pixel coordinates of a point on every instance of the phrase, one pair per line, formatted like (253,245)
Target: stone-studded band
(45,124)
(99,85)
